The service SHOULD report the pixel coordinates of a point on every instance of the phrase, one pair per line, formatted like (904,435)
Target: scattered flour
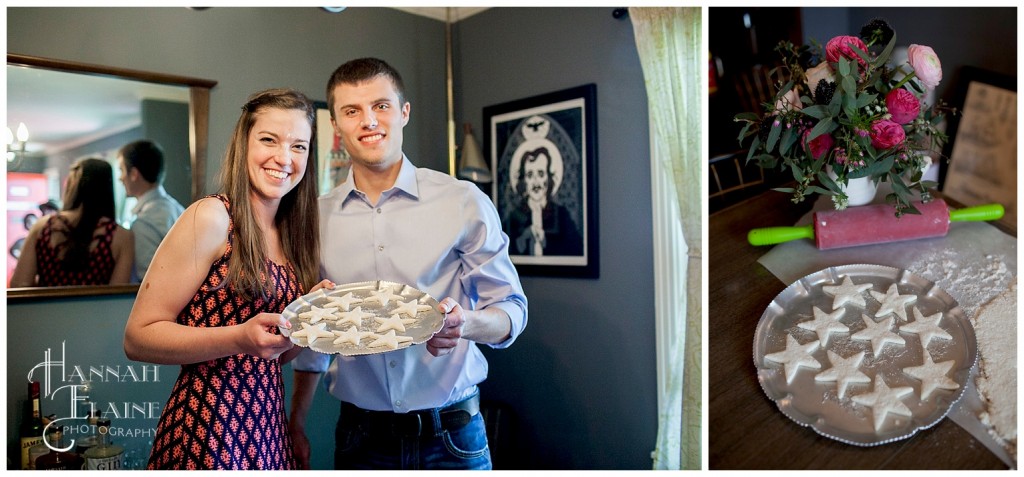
(996,328)
(971,284)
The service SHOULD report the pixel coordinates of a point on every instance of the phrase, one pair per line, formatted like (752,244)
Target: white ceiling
(439,13)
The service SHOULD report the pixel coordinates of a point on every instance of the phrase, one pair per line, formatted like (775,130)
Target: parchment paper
(973,243)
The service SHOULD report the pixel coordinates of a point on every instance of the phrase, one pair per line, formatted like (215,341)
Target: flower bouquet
(843,112)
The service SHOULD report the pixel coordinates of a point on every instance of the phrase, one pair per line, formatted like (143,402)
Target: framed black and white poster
(543,152)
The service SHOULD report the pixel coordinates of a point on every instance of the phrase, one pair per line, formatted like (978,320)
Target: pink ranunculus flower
(926,65)
(903,105)
(820,145)
(842,46)
(821,72)
(789,102)
(886,134)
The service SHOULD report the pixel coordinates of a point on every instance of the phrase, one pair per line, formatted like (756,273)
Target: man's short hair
(364,69)
(146,156)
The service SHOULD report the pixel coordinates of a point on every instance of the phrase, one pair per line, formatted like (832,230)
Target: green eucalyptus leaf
(865,99)
(816,111)
(788,139)
(753,117)
(783,189)
(773,137)
(823,127)
(754,145)
(844,67)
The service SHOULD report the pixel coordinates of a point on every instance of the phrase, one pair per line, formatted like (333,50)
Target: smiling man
(418,407)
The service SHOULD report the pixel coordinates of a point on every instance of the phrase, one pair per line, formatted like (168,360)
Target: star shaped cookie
(343,302)
(395,322)
(847,292)
(391,340)
(411,308)
(824,324)
(351,335)
(382,296)
(933,376)
(795,356)
(844,371)
(879,334)
(927,327)
(315,314)
(313,332)
(893,302)
(884,400)
(354,317)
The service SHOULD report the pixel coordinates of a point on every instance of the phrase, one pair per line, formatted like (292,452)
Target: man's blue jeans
(464,448)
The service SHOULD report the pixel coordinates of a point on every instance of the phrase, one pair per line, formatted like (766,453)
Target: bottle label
(104,463)
(26,444)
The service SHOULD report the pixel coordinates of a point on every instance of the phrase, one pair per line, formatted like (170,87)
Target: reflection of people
(81,244)
(538,225)
(142,171)
(213,295)
(417,407)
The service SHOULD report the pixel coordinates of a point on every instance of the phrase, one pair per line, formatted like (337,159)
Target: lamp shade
(472,165)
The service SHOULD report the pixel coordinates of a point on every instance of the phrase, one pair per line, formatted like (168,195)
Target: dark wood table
(746,430)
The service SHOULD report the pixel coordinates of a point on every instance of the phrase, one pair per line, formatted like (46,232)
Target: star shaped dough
(927,327)
(893,302)
(411,308)
(354,317)
(847,292)
(316,314)
(879,334)
(396,322)
(343,302)
(844,371)
(382,296)
(932,375)
(351,335)
(313,332)
(824,324)
(391,340)
(884,400)
(795,356)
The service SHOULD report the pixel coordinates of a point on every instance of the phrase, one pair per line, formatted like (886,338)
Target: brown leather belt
(412,424)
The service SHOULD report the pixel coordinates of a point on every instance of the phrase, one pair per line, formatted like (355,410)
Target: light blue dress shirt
(155,213)
(437,234)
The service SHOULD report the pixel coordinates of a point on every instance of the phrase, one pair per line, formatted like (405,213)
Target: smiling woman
(75,109)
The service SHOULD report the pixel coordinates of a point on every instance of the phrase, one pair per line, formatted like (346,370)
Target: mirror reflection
(127,119)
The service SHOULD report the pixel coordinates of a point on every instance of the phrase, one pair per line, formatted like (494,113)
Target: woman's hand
(259,336)
(325,283)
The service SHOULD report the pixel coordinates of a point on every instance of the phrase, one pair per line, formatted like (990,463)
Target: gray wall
(580,382)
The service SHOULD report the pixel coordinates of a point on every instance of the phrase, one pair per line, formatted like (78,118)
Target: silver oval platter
(864,354)
(362,318)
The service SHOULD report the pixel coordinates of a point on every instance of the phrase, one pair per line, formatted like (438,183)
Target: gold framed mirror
(195,91)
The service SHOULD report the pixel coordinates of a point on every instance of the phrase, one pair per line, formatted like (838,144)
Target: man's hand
(445,341)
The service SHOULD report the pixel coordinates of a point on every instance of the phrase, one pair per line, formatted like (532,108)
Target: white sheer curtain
(669,43)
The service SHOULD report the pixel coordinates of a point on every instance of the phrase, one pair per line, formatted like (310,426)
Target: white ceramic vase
(859,191)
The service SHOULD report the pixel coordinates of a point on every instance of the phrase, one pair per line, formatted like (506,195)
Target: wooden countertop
(746,430)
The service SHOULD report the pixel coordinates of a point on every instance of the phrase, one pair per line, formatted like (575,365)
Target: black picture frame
(557,130)
(981,151)
(330,156)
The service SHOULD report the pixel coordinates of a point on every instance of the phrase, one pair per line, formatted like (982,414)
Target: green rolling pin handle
(977,214)
(774,235)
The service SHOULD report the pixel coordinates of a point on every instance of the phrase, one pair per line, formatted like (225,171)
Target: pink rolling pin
(873,224)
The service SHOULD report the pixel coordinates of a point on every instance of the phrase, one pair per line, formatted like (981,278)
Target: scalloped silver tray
(418,329)
(817,404)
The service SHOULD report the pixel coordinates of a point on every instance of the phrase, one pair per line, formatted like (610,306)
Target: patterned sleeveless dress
(228,413)
(51,270)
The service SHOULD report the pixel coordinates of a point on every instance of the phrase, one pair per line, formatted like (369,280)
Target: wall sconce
(16,144)
(472,165)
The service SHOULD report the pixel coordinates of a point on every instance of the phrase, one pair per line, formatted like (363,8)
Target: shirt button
(393,364)
(380,247)
(378,210)
(398,403)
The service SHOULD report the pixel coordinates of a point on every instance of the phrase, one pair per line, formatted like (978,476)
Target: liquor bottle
(32,425)
(106,455)
(85,443)
(58,460)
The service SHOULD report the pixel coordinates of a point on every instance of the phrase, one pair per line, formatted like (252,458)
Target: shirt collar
(405,182)
(147,196)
